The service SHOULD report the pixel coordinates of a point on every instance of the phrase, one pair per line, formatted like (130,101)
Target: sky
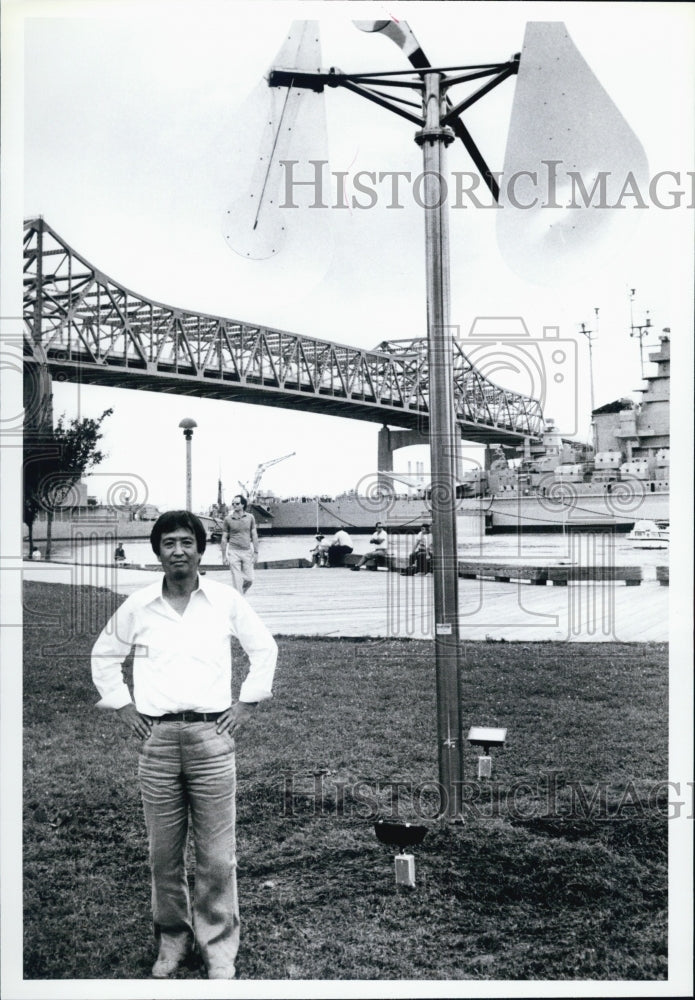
(142,124)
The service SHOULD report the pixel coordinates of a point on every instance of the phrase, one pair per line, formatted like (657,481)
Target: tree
(55,459)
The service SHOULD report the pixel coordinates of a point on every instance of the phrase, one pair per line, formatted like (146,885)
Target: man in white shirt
(179,629)
(420,559)
(378,554)
(340,546)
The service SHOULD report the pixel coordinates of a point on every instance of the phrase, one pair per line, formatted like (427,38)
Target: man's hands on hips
(137,723)
(235,717)
(231,720)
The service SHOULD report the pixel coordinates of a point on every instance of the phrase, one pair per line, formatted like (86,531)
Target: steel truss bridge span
(90,329)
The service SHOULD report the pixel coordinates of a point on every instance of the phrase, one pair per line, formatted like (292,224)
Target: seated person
(119,554)
(378,554)
(319,554)
(36,553)
(420,559)
(339,547)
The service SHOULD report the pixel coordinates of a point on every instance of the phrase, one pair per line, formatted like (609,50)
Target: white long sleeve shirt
(182,662)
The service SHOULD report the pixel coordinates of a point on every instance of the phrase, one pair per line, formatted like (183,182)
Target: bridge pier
(37,398)
(390,440)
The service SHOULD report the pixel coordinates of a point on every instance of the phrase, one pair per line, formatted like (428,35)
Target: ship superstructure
(637,435)
(621,477)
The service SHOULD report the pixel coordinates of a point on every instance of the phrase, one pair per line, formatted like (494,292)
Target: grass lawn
(559,872)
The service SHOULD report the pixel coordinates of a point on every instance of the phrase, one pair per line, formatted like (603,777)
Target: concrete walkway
(338,602)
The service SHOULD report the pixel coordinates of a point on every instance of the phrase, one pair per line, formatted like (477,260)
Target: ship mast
(639,330)
(590,336)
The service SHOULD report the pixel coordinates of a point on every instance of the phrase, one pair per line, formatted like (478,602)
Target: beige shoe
(221,972)
(172,952)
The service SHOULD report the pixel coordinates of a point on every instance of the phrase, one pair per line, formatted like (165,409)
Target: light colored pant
(186,765)
(241,568)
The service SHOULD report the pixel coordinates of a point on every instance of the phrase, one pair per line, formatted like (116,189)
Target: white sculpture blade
(276,124)
(566,131)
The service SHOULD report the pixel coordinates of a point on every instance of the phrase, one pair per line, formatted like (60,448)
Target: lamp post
(187,425)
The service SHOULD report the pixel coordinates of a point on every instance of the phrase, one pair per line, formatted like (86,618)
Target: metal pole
(593,404)
(591,377)
(589,334)
(443,450)
(641,353)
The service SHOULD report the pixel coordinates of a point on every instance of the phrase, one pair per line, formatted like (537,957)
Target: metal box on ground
(405,869)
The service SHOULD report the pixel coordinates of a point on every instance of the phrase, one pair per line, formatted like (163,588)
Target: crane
(260,469)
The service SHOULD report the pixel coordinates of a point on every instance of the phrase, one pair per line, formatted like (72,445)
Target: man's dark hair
(170,520)
(242,500)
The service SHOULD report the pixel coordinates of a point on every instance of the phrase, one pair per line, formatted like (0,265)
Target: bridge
(88,328)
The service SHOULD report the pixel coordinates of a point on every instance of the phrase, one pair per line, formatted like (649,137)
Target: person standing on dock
(240,544)
(179,630)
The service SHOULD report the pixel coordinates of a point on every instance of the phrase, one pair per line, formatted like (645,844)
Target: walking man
(240,544)
(180,629)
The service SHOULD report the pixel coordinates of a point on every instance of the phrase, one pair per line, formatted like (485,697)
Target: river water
(589,548)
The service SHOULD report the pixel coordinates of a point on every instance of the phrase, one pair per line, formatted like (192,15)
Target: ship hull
(587,510)
(299,517)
